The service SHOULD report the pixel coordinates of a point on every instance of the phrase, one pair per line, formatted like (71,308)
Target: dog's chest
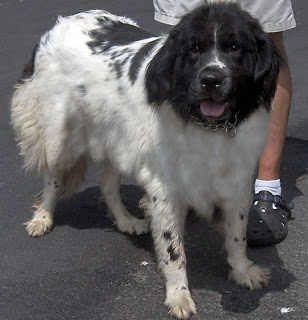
(207,167)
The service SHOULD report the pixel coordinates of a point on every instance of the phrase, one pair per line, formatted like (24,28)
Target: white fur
(180,166)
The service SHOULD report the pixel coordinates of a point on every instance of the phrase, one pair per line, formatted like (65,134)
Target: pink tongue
(211,109)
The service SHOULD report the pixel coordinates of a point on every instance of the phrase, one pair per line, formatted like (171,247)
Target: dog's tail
(31,138)
(29,132)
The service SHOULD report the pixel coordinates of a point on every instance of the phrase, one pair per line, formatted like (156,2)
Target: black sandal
(267,221)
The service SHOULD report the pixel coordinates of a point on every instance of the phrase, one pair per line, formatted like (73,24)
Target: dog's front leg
(243,271)
(167,223)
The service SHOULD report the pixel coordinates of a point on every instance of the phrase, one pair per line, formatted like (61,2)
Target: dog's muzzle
(214,85)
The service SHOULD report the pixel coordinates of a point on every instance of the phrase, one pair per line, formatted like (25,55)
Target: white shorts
(273,15)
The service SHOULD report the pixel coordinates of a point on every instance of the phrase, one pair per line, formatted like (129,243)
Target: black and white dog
(186,113)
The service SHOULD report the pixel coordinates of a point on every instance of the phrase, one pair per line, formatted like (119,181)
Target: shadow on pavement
(208,269)
(294,166)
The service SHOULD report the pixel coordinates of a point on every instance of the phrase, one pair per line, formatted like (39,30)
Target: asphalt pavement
(85,269)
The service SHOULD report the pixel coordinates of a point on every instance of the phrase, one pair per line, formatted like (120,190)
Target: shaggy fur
(186,113)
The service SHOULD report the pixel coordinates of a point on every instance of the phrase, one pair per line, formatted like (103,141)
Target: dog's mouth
(213,110)
(215,115)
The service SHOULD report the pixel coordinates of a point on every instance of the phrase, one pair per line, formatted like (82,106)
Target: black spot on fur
(167,235)
(235,239)
(154,199)
(138,59)
(172,253)
(113,56)
(184,288)
(111,33)
(82,89)
(117,67)
(242,216)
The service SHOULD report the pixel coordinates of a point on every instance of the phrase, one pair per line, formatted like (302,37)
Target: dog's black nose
(211,78)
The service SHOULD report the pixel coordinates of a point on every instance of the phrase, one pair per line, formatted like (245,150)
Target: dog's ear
(159,74)
(267,69)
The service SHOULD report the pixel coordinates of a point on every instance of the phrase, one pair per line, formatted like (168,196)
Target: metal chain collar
(227,126)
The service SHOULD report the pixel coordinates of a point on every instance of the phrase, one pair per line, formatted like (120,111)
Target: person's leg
(269,163)
(267,223)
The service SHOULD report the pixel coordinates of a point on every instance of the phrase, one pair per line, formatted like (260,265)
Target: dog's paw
(254,278)
(180,304)
(37,227)
(132,225)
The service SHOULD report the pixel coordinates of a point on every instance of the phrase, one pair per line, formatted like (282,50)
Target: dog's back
(77,78)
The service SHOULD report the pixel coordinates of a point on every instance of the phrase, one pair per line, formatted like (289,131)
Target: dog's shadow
(208,269)
(207,266)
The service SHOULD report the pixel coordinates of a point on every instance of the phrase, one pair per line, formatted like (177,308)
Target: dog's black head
(215,62)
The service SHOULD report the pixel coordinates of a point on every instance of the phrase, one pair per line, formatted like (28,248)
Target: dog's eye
(235,46)
(195,48)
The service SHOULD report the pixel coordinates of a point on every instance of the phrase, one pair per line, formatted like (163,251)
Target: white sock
(273,186)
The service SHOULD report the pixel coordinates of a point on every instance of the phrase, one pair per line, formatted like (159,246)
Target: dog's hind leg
(44,204)
(57,183)
(110,189)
